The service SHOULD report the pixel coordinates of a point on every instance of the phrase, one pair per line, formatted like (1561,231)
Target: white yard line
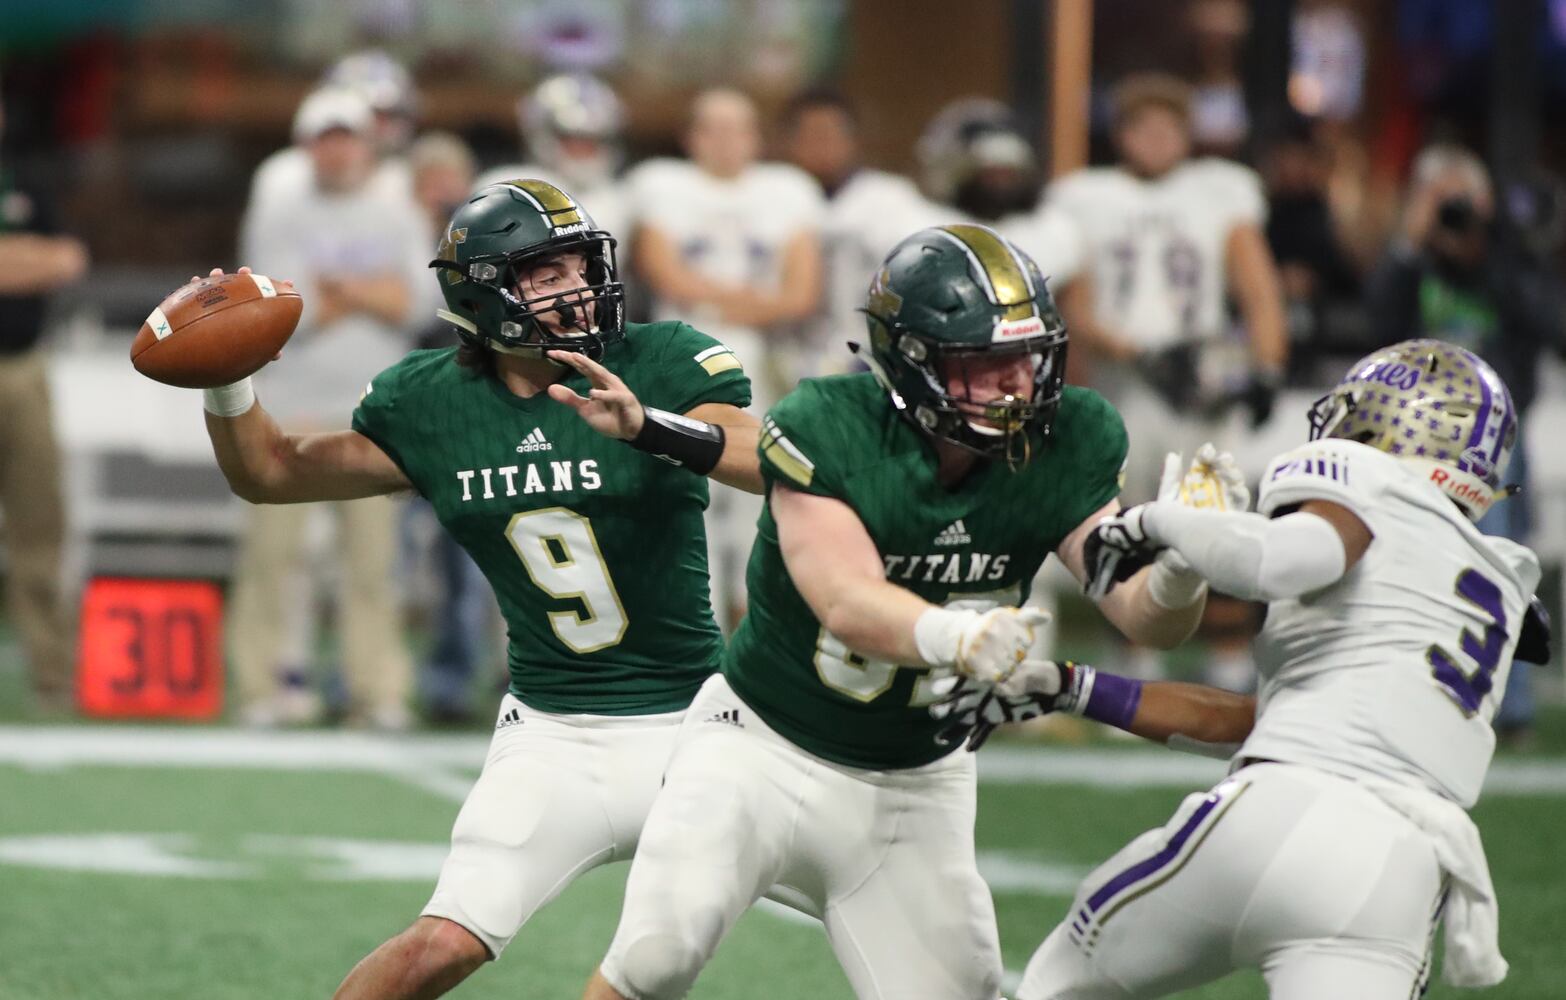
(444,764)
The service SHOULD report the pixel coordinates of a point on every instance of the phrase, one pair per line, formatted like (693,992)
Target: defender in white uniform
(1168,238)
(731,244)
(977,166)
(571,125)
(868,212)
(1328,856)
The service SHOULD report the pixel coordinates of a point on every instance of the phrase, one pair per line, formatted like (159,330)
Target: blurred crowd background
(1315,178)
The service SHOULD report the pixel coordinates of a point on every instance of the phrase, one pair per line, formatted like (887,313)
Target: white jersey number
(846,672)
(560,553)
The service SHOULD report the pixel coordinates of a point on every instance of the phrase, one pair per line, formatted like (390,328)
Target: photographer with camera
(1465,272)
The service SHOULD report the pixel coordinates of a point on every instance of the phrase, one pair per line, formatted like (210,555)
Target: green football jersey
(596,551)
(978,545)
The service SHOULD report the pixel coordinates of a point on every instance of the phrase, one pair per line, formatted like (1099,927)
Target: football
(214,331)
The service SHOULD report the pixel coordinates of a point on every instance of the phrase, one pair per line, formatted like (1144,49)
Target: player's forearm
(1248,555)
(1253,276)
(31,264)
(248,449)
(666,274)
(1193,712)
(797,298)
(387,298)
(739,467)
(265,465)
(875,619)
(1135,609)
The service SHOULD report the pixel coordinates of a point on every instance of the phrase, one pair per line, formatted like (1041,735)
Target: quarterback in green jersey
(595,547)
(908,510)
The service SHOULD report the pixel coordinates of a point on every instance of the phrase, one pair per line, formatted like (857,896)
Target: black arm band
(692,444)
(1533,642)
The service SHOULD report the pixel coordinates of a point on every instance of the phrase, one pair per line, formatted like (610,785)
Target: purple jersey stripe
(1142,869)
(1476,439)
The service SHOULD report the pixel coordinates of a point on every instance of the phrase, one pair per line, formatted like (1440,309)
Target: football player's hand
(995,644)
(1213,481)
(1114,550)
(973,711)
(610,407)
(217,272)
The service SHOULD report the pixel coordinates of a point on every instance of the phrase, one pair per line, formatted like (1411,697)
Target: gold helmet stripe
(1006,278)
(547,198)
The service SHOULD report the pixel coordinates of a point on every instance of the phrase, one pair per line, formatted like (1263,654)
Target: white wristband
(1172,583)
(229,400)
(938,635)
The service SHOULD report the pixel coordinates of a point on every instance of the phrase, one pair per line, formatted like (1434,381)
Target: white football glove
(988,646)
(1213,481)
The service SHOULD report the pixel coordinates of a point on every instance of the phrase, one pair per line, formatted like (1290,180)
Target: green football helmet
(501,231)
(950,294)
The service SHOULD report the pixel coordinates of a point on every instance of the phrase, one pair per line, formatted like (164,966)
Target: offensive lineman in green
(596,550)
(908,511)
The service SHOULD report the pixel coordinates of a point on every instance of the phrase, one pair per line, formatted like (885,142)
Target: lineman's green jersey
(596,551)
(976,545)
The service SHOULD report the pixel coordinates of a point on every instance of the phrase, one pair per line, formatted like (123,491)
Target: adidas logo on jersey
(511,718)
(535,442)
(954,534)
(728,717)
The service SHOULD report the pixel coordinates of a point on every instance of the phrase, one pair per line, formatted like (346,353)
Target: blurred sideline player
(734,244)
(943,477)
(36,259)
(465,636)
(570,127)
(977,166)
(1329,855)
(358,253)
(595,548)
(385,85)
(868,212)
(1168,238)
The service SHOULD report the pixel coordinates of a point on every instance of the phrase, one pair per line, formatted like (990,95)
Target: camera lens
(1457,214)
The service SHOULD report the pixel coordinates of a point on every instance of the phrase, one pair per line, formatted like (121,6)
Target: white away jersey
(1395,670)
(865,219)
(1156,247)
(732,231)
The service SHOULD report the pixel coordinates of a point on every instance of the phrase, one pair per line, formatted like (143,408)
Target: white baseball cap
(329,108)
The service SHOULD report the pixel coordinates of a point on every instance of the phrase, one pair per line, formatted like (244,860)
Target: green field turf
(272,878)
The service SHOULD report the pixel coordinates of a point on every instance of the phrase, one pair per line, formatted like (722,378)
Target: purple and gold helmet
(1437,407)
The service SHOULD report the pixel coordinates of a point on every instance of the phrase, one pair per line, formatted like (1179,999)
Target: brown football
(214,331)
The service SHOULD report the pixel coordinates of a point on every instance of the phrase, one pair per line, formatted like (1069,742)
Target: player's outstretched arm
(1156,607)
(1260,558)
(1181,714)
(837,569)
(264,465)
(711,439)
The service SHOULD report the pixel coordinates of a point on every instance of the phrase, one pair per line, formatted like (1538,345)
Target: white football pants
(1304,875)
(559,796)
(886,858)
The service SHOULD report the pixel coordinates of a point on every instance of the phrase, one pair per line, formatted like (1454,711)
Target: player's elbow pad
(1250,556)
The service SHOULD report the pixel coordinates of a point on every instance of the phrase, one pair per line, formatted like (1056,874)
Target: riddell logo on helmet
(1033,326)
(576,227)
(1456,487)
